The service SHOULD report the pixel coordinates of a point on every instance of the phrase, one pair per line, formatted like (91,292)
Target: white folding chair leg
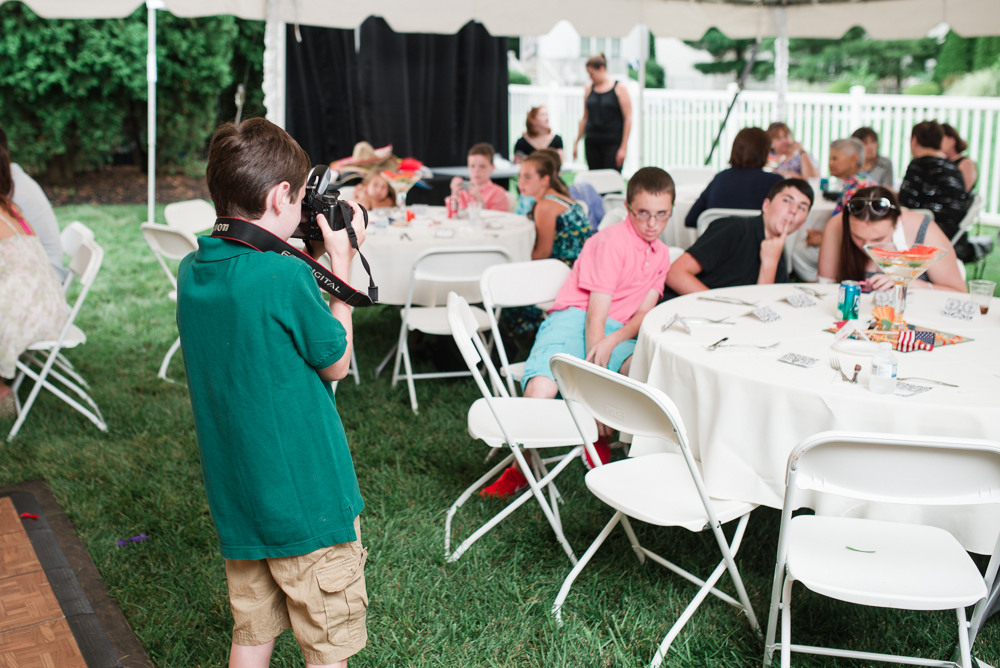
(40,381)
(963,639)
(78,390)
(581,564)
(410,386)
(466,495)
(786,623)
(354,367)
(636,547)
(385,360)
(166,360)
(536,489)
(70,371)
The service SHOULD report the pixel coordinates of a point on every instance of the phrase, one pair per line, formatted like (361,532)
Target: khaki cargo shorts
(321,596)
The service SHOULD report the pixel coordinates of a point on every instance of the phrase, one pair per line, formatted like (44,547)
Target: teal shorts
(565,332)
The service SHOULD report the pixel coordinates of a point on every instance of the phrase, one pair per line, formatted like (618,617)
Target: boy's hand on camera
(338,244)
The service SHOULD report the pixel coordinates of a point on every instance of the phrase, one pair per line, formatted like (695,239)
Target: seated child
(615,281)
(479,188)
(744,251)
(374,192)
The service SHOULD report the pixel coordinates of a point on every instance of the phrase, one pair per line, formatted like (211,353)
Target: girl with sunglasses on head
(873,215)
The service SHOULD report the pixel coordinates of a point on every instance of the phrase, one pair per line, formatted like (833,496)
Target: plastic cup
(982,293)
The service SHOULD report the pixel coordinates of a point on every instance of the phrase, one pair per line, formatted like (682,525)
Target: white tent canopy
(686,19)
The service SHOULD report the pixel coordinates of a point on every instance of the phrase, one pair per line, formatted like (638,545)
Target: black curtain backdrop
(323,102)
(430,96)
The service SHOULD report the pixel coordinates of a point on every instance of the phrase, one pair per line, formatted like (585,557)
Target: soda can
(451,203)
(849,300)
(824,184)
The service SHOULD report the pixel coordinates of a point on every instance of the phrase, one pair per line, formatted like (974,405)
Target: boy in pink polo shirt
(616,280)
(479,187)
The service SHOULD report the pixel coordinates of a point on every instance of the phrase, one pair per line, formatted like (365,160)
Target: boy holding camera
(260,350)
(615,281)
(479,188)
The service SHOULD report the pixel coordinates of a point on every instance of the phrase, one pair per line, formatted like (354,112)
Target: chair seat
(434,320)
(516,371)
(891,565)
(74,337)
(658,489)
(534,423)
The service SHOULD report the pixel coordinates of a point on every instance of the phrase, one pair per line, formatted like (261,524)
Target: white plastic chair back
(918,470)
(675,253)
(192,216)
(604,180)
(463,264)
(170,243)
(687,175)
(518,284)
(612,217)
(71,237)
(614,201)
(709,216)
(346,192)
(961,270)
(618,401)
(971,217)
(463,329)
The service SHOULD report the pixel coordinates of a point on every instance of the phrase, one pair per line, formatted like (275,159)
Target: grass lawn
(490,609)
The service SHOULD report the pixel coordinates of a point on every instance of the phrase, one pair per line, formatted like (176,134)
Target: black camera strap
(248,234)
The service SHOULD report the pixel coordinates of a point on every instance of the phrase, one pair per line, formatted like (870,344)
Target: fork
(928,380)
(725,299)
(720,321)
(749,345)
(835,364)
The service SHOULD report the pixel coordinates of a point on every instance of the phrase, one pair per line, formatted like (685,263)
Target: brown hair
(529,122)
(6,183)
(484,149)
(245,161)
(866,133)
(598,62)
(650,180)
(776,128)
(960,144)
(853,260)
(799,184)
(750,149)
(371,177)
(548,166)
(928,134)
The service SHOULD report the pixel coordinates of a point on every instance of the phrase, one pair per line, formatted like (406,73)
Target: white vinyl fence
(679,126)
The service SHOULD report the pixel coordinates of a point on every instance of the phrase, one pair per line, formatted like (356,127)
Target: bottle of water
(883,376)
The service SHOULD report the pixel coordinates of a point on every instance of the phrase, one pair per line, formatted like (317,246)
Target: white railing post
(857,99)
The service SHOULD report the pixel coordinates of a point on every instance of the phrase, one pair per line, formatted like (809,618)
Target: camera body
(321,199)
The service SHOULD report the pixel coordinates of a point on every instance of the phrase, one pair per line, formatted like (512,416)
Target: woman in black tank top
(607,119)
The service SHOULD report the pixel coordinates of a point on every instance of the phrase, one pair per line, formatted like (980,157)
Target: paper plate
(856,347)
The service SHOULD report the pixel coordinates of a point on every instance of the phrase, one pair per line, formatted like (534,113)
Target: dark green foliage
(955,58)
(655,74)
(926,88)
(73,93)
(730,54)
(66,87)
(985,53)
(515,77)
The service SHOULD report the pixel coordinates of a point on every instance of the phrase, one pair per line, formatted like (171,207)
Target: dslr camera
(320,198)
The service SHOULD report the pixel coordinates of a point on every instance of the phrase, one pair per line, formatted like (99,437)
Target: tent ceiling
(688,19)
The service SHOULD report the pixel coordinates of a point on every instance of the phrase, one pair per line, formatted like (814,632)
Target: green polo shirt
(278,473)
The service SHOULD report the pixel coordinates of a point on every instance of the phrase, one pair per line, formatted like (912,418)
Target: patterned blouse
(853,184)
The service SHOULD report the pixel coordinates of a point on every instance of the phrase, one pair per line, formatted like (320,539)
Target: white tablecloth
(391,251)
(745,411)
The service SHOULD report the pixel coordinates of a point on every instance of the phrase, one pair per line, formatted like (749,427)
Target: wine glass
(401,182)
(902,266)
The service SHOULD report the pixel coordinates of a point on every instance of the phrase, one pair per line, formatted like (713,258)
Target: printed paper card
(766,314)
(960,309)
(909,390)
(803,361)
(800,301)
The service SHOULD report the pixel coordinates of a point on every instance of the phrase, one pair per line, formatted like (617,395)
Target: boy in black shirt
(744,251)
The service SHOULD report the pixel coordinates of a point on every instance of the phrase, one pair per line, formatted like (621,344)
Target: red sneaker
(603,449)
(510,483)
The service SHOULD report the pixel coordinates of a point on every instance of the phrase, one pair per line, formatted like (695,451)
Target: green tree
(248,69)
(954,60)
(66,86)
(655,75)
(730,55)
(985,53)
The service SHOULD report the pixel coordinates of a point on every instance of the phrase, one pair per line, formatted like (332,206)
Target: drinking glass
(981,293)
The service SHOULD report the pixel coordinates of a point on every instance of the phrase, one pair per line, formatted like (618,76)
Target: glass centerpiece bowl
(902,266)
(401,181)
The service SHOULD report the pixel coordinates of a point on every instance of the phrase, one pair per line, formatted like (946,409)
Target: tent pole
(781,63)
(151,7)
(274,64)
(739,88)
(640,108)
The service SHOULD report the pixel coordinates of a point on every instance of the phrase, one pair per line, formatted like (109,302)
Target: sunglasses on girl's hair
(877,207)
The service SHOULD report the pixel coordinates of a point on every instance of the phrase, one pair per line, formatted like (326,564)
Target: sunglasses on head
(878,207)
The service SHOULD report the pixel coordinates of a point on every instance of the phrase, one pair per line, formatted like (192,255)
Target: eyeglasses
(645,216)
(877,207)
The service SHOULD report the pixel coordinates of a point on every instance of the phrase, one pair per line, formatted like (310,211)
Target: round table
(745,411)
(391,251)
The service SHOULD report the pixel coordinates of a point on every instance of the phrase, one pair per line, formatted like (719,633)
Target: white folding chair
(604,180)
(877,563)
(71,237)
(662,488)
(518,284)
(173,244)
(675,252)
(612,217)
(519,423)
(85,263)
(709,216)
(444,266)
(971,217)
(615,201)
(191,216)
